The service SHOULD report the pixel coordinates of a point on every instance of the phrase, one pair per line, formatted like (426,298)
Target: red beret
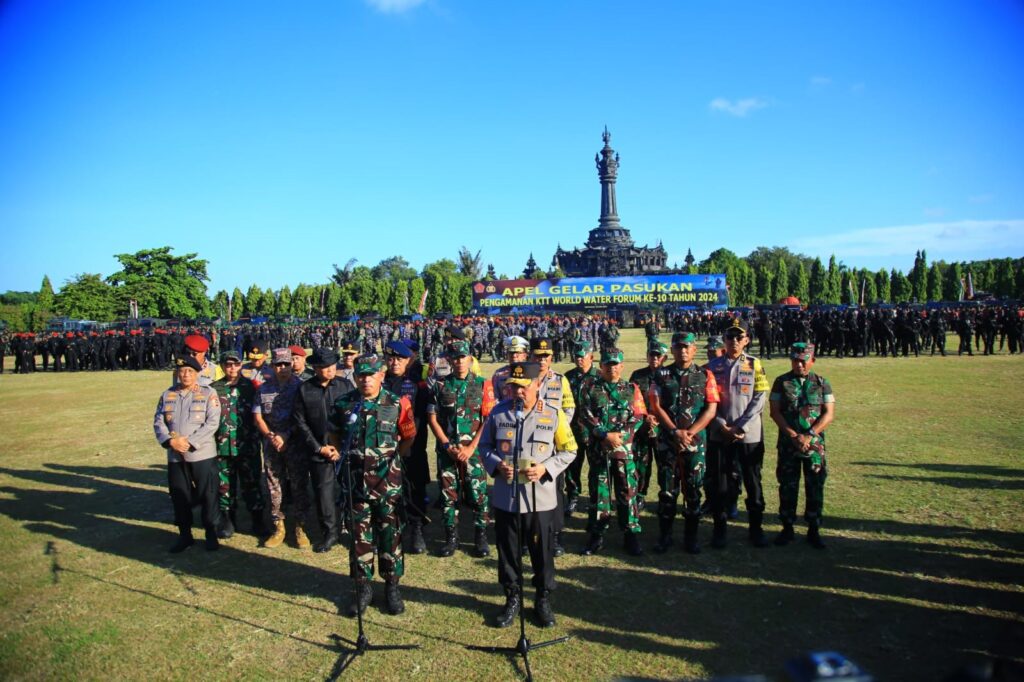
(297,350)
(197,343)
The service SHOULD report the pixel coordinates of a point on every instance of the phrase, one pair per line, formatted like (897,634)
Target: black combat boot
(665,536)
(559,548)
(184,541)
(757,538)
(393,598)
(417,545)
(631,542)
(508,613)
(451,541)
(325,545)
(542,609)
(718,535)
(480,545)
(785,536)
(364,595)
(226,528)
(814,535)
(212,544)
(594,545)
(690,543)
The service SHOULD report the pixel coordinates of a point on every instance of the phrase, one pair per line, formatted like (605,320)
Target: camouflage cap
(281,356)
(368,364)
(684,339)
(611,356)
(801,351)
(581,349)
(230,354)
(523,373)
(516,344)
(657,348)
(458,349)
(715,342)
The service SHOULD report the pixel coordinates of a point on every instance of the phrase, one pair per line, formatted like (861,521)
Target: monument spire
(608,231)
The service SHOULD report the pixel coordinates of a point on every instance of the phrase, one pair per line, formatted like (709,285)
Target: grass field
(923,573)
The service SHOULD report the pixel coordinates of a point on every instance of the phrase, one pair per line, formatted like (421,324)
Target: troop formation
(509,449)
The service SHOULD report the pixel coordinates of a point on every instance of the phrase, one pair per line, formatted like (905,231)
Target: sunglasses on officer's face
(282,364)
(232,363)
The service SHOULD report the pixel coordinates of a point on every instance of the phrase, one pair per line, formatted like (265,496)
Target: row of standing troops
(612,425)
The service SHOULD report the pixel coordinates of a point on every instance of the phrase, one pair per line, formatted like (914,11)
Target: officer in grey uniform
(542,432)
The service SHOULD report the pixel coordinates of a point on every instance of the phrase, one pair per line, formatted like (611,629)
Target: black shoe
(756,533)
(325,545)
(632,544)
(559,548)
(513,602)
(226,528)
(212,544)
(480,545)
(570,506)
(690,543)
(785,536)
(814,537)
(393,598)
(451,541)
(594,545)
(417,545)
(718,536)
(542,609)
(664,542)
(364,595)
(182,543)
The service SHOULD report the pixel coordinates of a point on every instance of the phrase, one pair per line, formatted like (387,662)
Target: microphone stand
(524,646)
(362,644)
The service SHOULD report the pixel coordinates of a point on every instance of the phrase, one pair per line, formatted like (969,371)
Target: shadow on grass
(903,609)
(972,469)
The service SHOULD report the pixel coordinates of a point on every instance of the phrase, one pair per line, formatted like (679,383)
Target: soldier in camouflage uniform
(578,377)
(238,448)
(612,411)
(802,405)
(372,427)
(645,444)
(684,396)
(457,406)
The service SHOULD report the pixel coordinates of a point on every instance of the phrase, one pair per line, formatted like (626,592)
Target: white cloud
(740,107)
(981,198)
(948,240)
(821,81)
(394,6)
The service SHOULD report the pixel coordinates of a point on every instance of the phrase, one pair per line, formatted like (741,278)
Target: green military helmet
(656,347)
(802,350)
(458,349)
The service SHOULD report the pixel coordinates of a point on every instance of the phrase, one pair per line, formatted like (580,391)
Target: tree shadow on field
(971,476)
(973,469)
(97,512)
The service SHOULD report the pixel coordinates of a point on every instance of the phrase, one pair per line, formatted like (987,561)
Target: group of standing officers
(352,426)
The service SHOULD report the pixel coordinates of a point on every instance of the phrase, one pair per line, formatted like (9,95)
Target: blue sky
(275,139)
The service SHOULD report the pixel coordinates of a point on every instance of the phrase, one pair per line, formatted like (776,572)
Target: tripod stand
(361,645)
(523,646)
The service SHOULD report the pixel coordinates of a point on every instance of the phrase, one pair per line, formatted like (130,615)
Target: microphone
(519,408)
(352,418)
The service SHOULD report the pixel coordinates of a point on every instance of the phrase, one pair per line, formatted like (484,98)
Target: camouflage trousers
(466,479)
(787,471)
(644,449)
(240,472)
(377,524)
(604,475)
(679,472)
(290,467)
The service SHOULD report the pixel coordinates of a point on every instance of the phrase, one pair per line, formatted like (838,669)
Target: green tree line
(165,285)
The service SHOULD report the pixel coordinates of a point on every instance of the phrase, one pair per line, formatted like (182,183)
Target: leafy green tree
(87,297)
(44,301)
(490,273)
(164,285)
(469,264)
(935,287)
(237,304)
(284,301)
(416,289)
(1003,284)
(883,286)
(901,288)
(951,282)
(268,302)
(444,284)
(870,290)
(252,300)
(819,283)
(394,269)
(801,283)
(400,298)
(219,306)
(765,290)
(833,282)
(782,287)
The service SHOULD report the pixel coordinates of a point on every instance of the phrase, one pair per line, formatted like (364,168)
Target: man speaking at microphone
(547,447)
